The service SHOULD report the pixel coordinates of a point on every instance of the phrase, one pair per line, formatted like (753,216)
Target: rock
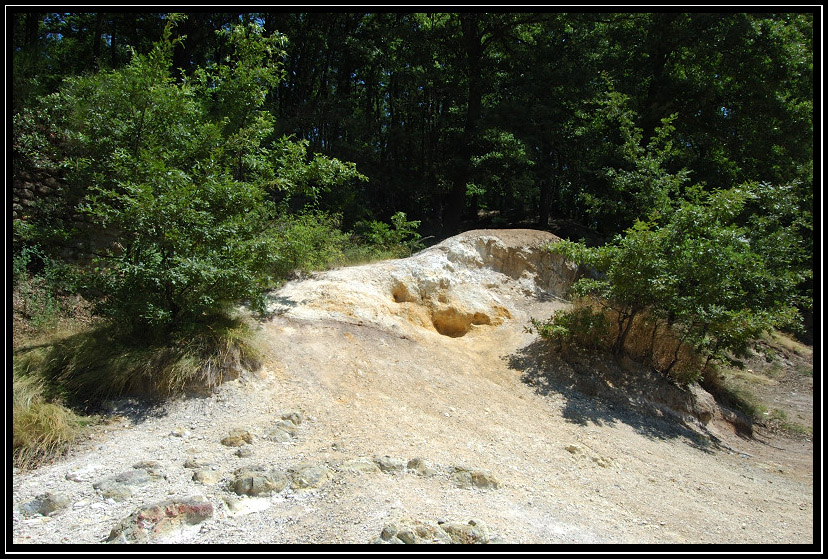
(237,437)
(475,532)
(309,476)
(421,467)
(182,432)
(364,464)
(286,425)
(193,462)
(409,531)
(111,490)
(296,417)
(243,452)
(152,468)
(574,449)
(207,477)
(279,436)
(258,482)
(703,406)
(46,504)
(119,487)
(466,478)
(159,520)
(389,464)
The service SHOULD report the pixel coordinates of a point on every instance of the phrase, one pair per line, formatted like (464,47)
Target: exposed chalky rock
(467,478)
(237,437)
(309,476)
(475,532)
(119,487)
(415,532)
(363,464)
(197,463)
(152,468)
(389,464)
(152,522)
(207,477)
(421,467)
(255,482)
(45,504)
(295,416)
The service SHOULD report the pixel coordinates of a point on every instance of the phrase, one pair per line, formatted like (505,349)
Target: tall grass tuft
(102,363)
(41,430)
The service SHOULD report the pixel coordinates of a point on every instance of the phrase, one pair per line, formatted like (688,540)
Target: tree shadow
(600,391)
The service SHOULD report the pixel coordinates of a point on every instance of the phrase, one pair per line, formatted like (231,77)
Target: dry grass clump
(103,363)
(61,378)
(41,430)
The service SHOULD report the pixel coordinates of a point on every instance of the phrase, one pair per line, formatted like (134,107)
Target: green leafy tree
(707,271)
(182,187)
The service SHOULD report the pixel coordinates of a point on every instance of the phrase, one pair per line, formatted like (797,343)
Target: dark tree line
(449,113)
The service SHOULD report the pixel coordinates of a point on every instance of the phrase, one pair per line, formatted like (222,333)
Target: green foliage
(307,242)
(637,179)
(711,280)
(399,239)
(178,174)
(295,173)
(580,327)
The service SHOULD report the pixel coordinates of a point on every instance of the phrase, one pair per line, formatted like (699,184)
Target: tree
(183,188)
(707,270)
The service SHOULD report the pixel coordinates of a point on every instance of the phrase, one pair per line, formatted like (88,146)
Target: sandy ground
(365,362)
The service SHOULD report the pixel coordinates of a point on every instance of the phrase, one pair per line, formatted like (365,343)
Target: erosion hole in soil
(401,294)
(454,324)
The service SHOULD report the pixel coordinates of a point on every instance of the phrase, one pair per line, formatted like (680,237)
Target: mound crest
(466,282)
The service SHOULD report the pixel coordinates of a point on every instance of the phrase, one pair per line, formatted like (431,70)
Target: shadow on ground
(601,392)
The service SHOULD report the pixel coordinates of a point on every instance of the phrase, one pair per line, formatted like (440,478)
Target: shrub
(580,327)
(707,274)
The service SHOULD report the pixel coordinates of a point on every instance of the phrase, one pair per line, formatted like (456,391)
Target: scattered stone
(421,467)
(133,477)
(601,461)
(182,432)
(475,532)
(363,464)
(207,477)
(295,416)
(389,464)
(415,532)
(254,482)
(119,487)
(309,476)
(574,449)
(152,467)
(287,426)
(196,463)
(279,436)
(46,504)
(154,521)
(237,437)
(466,478)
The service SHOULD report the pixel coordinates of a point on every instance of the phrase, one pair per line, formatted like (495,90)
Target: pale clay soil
(359,352)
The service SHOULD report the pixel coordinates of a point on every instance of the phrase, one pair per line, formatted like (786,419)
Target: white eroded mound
(474,279)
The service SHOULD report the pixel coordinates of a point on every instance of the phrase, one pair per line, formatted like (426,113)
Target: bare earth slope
(424,358)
